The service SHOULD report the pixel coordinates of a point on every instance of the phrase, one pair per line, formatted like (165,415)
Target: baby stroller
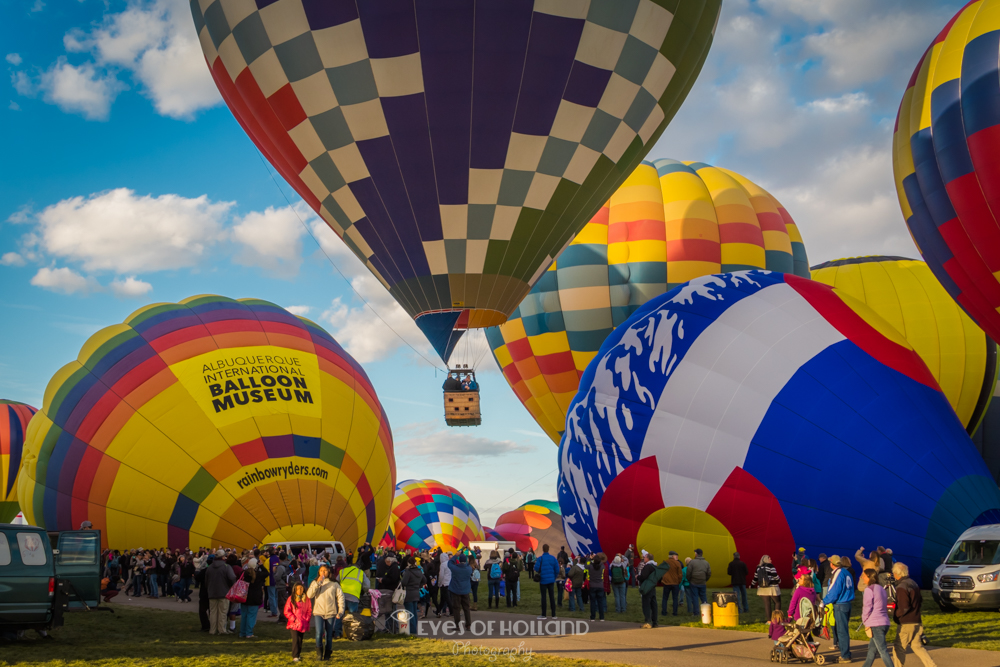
(795,644)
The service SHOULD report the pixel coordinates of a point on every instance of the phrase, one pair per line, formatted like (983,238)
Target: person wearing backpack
(618,578)
(597,574)
(511,574)
(767,581)
(494,575)
(671,580)
(738,577)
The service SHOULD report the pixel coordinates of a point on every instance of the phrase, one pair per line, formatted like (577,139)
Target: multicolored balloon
(668,223)
(757,412)
(14,418)
(207,422)
(533,524)
(945,144)
(904,292)
(456,147)
(492,535)
(427,514)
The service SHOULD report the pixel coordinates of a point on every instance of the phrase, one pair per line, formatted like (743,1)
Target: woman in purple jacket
(803,589)
(875,616)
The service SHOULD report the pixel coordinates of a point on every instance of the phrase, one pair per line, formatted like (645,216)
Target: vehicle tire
(946,608)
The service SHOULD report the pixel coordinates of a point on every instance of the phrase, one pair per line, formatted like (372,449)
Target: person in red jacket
(298,611)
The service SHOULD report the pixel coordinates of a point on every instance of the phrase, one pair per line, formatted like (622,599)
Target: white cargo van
(333,549)
(969,578)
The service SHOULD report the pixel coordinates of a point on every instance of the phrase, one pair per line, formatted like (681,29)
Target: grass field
(979,630)
(149,637)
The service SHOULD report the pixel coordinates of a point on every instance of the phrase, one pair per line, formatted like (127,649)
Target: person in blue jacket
(548,568)
(841,594)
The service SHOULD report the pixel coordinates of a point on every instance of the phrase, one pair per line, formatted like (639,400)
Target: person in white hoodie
(444,580)
(328,606)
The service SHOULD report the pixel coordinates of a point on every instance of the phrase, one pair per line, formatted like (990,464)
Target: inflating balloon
(757,412)
(533,524)
(427,514)
(14,418)
(668,223)
(492,535)
(209,422)
(904,292)
(945,144)
(455,146)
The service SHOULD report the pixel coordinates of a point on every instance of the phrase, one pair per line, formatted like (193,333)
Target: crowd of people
(314,591)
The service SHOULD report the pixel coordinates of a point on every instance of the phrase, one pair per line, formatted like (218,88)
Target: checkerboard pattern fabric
(427,514)
(455,145)
(668,223)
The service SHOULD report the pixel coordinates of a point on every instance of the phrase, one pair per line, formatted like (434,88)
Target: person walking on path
(737,572)
(647,589)
(547,568)
(493,568)
(768,583)
(298,611)
(413,580)
(910,632)
(598,576)
(699,572)
(329,605)
(619,575)
(671,580)
(875,617)
(576,574)
(219,578)
(840,594)
(461,590)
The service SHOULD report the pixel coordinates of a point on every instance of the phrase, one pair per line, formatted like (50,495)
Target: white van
(969,578)
(293,549)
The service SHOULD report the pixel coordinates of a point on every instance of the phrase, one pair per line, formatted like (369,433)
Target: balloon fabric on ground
(757,412)
(533,524)
(946,159)
(210,422)
(905,293)
(428,514)
(14,418)
(668,223)
(456,147)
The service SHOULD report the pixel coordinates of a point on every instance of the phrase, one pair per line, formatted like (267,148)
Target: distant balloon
(906,294)
(456,147)
(492,535)
(668,223)
(14,418)
(209,422)
(945,144)
(703,415)
(427,514)
(533,524)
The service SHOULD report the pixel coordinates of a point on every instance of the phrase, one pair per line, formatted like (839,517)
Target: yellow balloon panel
(684,529)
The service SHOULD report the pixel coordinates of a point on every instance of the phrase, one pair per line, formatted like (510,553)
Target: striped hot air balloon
(668,223)
(533,524)
(455,146)
(946,159)
(206,422)
(14,418)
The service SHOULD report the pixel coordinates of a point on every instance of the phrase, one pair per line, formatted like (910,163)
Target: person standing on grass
(647,589)
(671,580)
(737,572)
(910,632)
(803,589)
(840,594)
(699,572)
(875,617)
(298,611)
(597,573)
(477,575)
(279,577)
(460,590)
(203,608)
(576,575)
(219,578)
(353,583)
(548,569)
(686,587)
(822,574)
(253,574)
(493,567)
(768,582)
(413,580)
(619,575)
(444,582)
(328,609)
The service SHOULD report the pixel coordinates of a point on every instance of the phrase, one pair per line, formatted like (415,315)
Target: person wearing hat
(460,589)
(671,580)
(737,572)
(219,578)
(797,560)
(647,589)
(840,594)
(699,572)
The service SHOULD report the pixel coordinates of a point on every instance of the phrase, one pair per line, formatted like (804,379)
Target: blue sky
(126,181)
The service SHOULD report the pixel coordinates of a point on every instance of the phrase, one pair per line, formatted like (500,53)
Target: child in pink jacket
(298,611)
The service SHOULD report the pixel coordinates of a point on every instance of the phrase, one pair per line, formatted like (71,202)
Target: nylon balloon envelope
(455,146)
(533,524)
(14,418)
(427,514)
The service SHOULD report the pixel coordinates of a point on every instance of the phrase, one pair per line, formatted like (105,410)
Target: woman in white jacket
(328,606)
(444,580)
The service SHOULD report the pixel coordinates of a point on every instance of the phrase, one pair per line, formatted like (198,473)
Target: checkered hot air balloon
(533,524)
(428,514)
(757,412)
(946,159)
(668,223)
(14,418)
(206,422)
(456,146)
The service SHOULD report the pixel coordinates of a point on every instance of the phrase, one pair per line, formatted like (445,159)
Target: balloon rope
(334,264)
(521,489)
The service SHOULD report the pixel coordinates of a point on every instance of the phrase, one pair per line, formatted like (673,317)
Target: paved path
(619,642)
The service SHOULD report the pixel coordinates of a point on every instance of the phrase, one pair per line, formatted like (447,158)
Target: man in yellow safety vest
(354,583)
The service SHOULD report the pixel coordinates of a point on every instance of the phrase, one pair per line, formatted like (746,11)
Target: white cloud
(12,259)
(13,58)
(272,239)
(63,280)
(123,232)
(301,311)
(84,89)
(423,440)
(846,103)
(38,6)
(14,106)
(131,287)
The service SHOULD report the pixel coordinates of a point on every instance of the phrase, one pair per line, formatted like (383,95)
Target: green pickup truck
(43,575)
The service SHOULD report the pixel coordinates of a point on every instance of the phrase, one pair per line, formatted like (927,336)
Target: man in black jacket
(649,597)
(907,615)
(738,576)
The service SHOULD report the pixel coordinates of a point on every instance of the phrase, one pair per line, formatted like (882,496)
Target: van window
(32,549)
(4,550)
(78,549)
(975,552)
